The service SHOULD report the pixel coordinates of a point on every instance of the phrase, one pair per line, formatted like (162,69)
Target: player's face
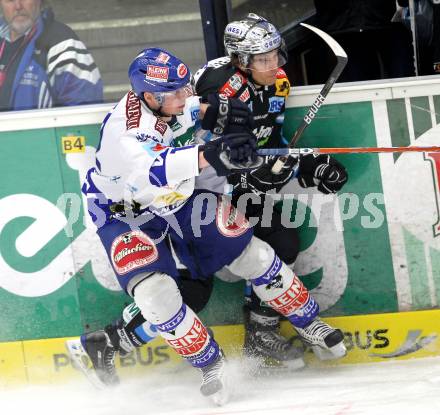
(174,102)
(264,67)
(173,105)
(20,15)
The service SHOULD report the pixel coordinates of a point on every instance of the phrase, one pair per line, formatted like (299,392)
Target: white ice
(400,387)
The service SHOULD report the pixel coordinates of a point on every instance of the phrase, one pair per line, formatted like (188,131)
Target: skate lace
(109,360)
(274,341)
(317,330)
(212,372)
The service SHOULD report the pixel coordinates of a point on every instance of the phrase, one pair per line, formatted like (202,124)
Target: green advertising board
(371,249)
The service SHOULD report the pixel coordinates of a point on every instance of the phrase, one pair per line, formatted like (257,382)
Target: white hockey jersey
(140,160)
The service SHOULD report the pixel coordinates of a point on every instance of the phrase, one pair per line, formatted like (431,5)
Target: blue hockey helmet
(157,71)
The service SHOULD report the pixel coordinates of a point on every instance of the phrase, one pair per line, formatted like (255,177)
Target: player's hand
(232,153)
(227,115)
(322,171)
(262,180)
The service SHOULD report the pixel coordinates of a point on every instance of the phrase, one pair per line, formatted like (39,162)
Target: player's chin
(267,78)
(268,81)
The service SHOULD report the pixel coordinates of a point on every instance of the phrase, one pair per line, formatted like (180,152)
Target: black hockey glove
(322,171)
(232,153)
(227,115)
(262,180)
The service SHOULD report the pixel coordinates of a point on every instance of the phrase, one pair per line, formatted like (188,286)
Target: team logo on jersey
(281,73)
(230,222)
(195,111)
(158,147)
(275,104)
(176,126)
(142,137)
(160,126)
(170,199)
(262,133)
(282,87)
(157,73)
(235,82)
(163,57)
(245,95)
(132,250)
(282,84)
(182,70)
(152,149)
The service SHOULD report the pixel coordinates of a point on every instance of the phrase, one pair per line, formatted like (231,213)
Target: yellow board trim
(369,338)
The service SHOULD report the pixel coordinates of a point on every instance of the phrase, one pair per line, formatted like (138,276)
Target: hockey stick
(342,150)
(319,100)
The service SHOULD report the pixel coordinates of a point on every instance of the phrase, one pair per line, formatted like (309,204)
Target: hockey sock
(282,290)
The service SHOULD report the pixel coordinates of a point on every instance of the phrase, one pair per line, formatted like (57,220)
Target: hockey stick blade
(344,150)
(341,57)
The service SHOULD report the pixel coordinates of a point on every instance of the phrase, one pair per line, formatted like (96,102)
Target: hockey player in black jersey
(251,73)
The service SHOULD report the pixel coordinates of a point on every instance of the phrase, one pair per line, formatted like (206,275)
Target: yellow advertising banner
(369,338)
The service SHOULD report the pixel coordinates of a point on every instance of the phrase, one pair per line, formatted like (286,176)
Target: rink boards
(370,250)
(369,338)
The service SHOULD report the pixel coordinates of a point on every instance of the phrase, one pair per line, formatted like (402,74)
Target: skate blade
(336,352)
(81,361)
(217,391)
(221,397)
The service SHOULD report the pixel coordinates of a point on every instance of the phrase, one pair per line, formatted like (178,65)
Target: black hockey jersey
(266,102)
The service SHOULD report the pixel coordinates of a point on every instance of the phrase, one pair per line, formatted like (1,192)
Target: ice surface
(400,387)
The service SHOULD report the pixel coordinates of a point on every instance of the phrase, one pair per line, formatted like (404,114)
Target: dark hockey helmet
(157,71)
(252,36)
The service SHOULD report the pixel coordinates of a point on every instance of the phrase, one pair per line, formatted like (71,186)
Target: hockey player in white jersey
(142,189)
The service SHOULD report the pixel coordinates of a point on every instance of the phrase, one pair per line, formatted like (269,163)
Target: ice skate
(264,344)
(94,354)
(214,381)
(326,342)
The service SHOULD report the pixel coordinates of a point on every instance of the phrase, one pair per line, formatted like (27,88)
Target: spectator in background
(376,47)
(43,64)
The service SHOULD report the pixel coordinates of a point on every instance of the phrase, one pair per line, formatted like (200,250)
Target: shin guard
(161,304)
